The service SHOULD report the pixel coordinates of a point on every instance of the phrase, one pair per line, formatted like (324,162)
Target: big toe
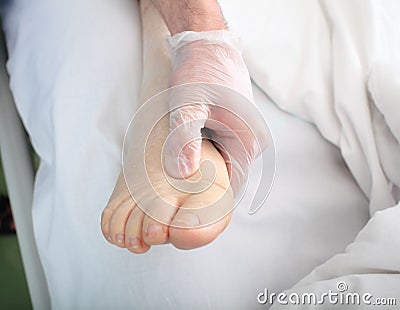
(201,218)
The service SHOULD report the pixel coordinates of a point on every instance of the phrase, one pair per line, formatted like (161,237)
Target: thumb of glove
(182,149)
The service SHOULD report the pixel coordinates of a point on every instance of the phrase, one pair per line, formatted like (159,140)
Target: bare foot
(163,213)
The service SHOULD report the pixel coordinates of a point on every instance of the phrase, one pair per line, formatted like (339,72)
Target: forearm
(190,15)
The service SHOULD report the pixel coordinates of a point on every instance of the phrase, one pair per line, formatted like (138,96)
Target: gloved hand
(211,57)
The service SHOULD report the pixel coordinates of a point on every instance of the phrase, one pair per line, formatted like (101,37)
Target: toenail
(186,220)
(119,238)
(108,237)
(153,230)
(135,243)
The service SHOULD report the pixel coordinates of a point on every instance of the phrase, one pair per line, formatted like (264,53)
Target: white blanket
(336,64)
(75,72)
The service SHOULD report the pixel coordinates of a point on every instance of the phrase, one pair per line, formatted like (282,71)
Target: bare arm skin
(190,15)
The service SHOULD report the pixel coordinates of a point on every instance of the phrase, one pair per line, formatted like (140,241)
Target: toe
(118,196)
(105,223)
(118,222)
(133,233)
(201,218)
(159,214)
(106,218)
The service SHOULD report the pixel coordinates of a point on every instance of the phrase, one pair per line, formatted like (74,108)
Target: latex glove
(211,57)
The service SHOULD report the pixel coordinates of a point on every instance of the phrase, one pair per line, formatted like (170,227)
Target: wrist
(191,15)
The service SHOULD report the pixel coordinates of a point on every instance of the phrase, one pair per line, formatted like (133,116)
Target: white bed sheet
(75,72)
(336,64)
